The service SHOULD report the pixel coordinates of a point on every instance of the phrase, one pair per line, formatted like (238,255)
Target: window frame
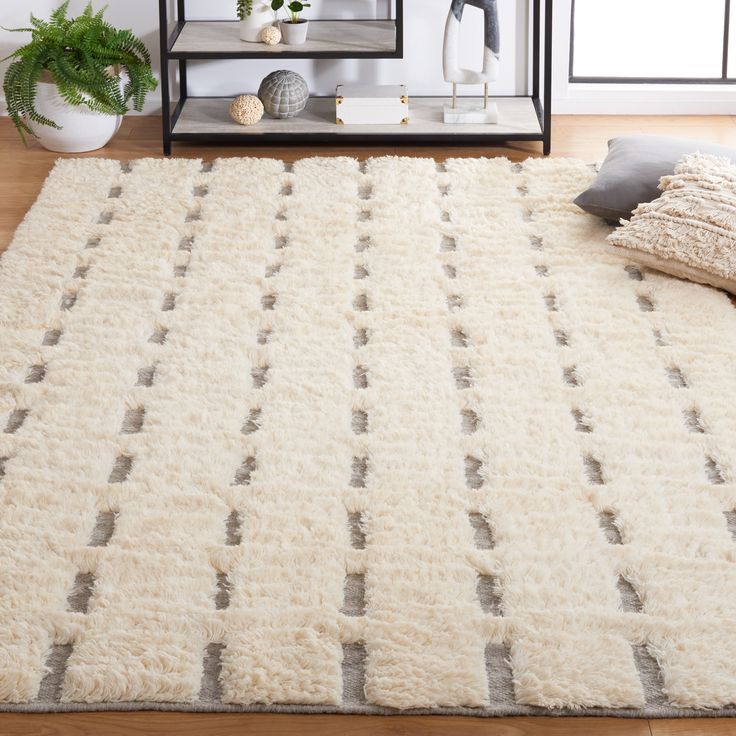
(724,79)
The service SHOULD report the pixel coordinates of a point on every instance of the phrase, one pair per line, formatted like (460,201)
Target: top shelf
(327,39)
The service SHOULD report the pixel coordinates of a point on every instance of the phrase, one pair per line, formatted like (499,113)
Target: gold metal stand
(485,96)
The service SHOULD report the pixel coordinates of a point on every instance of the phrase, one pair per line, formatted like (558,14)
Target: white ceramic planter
(294,33)
(252,25)
(81,129)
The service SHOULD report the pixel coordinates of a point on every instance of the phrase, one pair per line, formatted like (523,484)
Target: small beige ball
(271,35)
(246,109)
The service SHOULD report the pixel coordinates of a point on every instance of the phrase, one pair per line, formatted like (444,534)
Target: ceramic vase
(252,25)
(294,33)
(80,129)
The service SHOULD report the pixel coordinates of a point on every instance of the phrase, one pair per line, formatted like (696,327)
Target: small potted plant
(254,16)
(65,87)
(293,29)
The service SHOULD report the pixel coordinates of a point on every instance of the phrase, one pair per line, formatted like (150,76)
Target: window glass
(649,38)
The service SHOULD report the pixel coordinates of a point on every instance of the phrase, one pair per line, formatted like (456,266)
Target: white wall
(421,67)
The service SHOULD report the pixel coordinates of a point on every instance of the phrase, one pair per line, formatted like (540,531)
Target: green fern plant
(85,57)
(245,8)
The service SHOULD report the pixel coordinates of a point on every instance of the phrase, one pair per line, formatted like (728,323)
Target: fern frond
(58,16)
(244,8)
(17,30)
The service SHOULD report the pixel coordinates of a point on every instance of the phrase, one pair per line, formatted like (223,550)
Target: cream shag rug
(332,437)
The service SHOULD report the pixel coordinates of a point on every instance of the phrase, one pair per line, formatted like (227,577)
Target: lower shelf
(208,118)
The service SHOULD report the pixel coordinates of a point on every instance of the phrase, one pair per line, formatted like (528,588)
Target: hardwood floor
(230,724)
(177,724)
(22,174)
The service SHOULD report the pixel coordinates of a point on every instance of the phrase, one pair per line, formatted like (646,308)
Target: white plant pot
(81,129)
(294,33)
(252,25)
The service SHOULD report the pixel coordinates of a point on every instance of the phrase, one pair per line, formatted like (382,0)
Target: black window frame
(723,79)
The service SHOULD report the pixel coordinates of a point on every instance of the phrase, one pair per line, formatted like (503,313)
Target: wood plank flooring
(22,173)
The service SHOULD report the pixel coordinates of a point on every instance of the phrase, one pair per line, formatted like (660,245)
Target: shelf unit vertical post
(183,88)
(163,23)
(547,128)
(536,36)
(399,13)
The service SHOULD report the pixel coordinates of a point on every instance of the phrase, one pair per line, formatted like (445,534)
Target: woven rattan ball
(284,94)
(271,35)
(246,109)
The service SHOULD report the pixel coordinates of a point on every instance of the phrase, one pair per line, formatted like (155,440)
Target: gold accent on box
(405,121)
(339,122)
(338,100)
(405,99)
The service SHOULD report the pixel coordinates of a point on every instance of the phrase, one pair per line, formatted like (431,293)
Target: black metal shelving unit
(204,120)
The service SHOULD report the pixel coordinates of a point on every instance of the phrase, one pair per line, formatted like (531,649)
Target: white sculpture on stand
(455,74)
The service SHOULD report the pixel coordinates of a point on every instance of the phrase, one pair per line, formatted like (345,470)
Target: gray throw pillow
(631,172)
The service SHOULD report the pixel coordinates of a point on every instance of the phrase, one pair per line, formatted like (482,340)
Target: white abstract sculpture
(455,74)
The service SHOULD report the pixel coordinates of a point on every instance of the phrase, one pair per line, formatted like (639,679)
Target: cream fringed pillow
(690,231)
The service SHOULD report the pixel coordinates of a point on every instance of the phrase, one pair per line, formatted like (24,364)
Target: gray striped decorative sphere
(284,94)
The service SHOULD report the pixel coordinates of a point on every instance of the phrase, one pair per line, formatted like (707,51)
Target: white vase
(294,33)
(251,26)
(80,128)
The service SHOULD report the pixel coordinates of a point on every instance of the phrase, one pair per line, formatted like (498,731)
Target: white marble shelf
(210,116)
(339,38)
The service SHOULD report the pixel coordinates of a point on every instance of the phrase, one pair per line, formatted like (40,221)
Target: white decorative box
(363,104)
